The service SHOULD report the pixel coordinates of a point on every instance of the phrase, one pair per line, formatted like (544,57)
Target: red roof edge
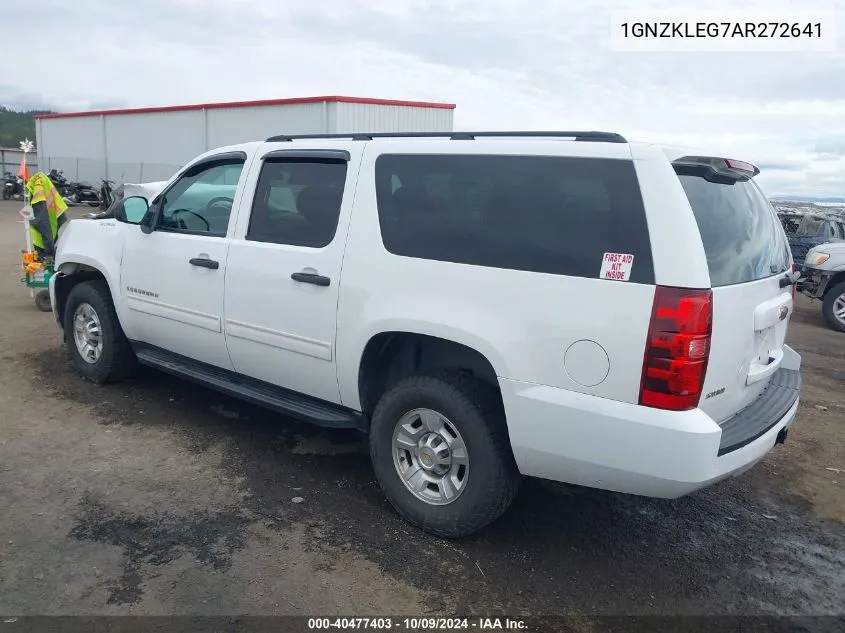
(251,104)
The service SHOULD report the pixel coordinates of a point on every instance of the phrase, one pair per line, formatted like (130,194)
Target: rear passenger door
(284,268)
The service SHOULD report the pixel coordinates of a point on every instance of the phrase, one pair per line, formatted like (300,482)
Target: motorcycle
(12,186)
(59,181)
(82,192)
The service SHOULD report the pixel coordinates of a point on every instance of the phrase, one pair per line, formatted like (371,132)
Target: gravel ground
(159,497)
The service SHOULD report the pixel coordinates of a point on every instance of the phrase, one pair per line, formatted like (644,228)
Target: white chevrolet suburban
(569,306)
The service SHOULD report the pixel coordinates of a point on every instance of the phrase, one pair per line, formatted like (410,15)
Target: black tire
(476,411)
(42,301)
(830,297)
(116,361)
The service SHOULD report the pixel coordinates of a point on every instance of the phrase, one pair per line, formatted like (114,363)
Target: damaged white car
(147,190)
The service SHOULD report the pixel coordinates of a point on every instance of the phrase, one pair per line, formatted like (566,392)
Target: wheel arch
(391,355)
(71,273)
(835,280)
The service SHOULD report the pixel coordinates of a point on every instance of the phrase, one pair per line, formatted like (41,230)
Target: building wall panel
(358,117)
(228,126)
(78,137)
(72,146)
(166,137)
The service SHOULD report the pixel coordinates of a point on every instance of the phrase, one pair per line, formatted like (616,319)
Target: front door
(284,270)
(172,278)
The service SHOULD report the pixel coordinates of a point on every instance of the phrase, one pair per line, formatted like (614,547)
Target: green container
(40,279)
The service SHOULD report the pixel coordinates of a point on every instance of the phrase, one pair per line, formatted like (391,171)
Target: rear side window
(742,237)
(556,215)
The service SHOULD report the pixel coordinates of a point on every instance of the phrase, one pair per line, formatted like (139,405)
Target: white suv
(565,305)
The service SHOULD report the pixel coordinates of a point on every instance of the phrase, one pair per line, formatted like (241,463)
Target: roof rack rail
(600,137)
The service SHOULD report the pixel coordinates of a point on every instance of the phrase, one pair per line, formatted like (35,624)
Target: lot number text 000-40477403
(417,624)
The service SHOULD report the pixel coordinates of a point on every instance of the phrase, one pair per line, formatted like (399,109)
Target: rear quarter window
(555,215)
(742,236)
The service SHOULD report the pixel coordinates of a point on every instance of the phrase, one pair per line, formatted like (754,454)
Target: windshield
(742,237)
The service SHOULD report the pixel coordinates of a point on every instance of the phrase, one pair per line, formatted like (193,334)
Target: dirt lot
(158,497)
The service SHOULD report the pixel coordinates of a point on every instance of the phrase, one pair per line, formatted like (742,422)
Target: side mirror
(131,210)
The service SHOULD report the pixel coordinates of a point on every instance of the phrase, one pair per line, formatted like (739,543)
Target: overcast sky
(507,65)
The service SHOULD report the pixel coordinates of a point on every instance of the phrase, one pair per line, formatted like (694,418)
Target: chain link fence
(790,221)
(10,160)
(92,171)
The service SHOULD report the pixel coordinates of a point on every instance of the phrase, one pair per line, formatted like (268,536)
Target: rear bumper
(566,436)
(757,418)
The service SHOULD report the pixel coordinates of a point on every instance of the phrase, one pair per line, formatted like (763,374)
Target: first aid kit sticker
(616,266)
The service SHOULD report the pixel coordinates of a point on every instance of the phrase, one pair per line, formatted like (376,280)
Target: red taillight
(677,348)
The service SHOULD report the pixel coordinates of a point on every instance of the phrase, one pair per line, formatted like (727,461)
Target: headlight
(816,259)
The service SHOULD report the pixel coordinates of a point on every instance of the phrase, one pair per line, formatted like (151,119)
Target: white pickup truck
(564,305)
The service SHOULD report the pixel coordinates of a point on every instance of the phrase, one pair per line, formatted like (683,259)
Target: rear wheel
(96,342)
(833,307)
(441,453)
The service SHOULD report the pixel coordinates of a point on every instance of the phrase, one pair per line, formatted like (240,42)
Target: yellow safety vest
(41,189)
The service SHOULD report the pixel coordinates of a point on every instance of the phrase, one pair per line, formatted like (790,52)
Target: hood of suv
(830,248)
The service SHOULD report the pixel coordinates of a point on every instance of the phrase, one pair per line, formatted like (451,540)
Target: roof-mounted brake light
(725,167)
(738,165)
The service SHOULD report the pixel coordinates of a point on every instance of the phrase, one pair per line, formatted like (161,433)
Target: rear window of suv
(743,239)
(556,215)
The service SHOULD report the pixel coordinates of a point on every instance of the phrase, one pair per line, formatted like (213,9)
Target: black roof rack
(600,137)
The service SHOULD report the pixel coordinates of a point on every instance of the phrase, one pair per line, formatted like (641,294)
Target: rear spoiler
(725,167)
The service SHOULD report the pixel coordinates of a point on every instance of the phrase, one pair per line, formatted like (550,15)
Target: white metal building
(147,144)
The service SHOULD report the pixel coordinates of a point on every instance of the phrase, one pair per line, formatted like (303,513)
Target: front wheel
(97,344)
(833,307)
(441,453)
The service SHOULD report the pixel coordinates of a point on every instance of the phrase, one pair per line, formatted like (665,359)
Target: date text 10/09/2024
(721,29)
(418,624)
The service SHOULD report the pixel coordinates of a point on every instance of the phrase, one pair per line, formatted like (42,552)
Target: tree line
(15,125)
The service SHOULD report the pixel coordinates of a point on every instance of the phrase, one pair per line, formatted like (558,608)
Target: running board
(290,403)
